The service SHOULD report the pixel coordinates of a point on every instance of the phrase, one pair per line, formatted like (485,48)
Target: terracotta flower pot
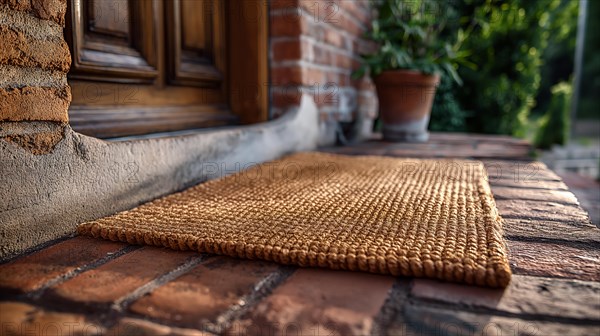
(405,100)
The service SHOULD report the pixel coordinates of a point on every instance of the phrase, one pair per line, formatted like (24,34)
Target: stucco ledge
(43,197)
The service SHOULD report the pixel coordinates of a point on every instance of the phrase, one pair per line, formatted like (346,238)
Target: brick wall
(34,60)
(315,46)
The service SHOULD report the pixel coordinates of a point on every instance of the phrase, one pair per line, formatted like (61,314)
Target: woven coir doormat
(409,217)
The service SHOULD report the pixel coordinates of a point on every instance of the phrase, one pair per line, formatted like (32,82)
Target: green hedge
(589,101)
(554,126)
(508,42)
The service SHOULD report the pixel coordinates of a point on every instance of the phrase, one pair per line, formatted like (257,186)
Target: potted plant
(408,63)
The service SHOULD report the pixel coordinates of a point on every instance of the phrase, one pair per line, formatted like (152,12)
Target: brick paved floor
(87,286)
(587,191)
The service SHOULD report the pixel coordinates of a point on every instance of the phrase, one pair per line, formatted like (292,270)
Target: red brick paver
(549,230)
(138,327)
(119,277)
(318,302)
(18,318)
(587,191)
(579,261)
(198,298)
(31,272)
(525,295)
(424,320)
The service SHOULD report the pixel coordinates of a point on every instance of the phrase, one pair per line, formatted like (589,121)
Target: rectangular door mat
(405,217)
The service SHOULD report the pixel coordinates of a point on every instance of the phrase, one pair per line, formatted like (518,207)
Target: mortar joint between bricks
(260,291)
(391,308)
(121,304)
(12,257)
(34,295)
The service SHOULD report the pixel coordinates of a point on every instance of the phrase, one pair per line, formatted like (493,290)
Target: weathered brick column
(34,61)
(315,46)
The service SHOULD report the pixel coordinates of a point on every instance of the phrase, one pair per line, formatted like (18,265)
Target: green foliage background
(519,49)
(558,58)
(555,125)
(589,103)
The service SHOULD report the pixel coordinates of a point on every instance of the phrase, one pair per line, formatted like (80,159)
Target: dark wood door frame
(138,78)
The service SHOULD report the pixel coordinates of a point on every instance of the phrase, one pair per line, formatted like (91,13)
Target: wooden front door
(147,66)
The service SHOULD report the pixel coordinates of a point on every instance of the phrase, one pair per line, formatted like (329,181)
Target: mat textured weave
(406,217)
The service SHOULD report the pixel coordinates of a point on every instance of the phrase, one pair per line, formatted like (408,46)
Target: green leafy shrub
(589,100)
(446,113)
(408,36)
(506,45)
(554,125)
(558,58)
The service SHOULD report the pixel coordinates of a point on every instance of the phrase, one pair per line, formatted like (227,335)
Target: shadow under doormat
(405,217)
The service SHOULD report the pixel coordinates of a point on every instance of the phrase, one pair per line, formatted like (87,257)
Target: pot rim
(408,72)
(407,76)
